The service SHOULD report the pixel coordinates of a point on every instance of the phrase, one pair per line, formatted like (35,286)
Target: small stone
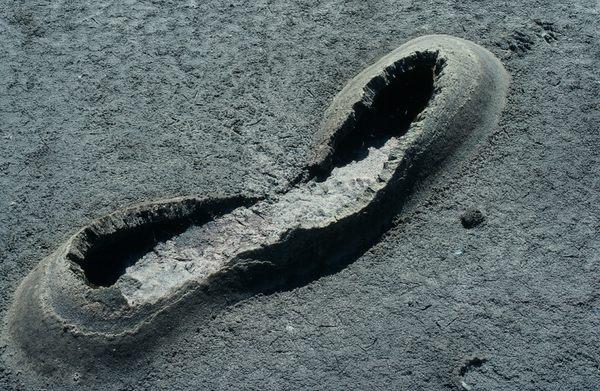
(471,218)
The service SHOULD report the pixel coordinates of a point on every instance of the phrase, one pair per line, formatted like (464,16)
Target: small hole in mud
(398,98)
(472,363)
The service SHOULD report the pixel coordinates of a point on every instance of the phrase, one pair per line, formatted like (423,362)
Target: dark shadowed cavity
(104,257)
(399,95)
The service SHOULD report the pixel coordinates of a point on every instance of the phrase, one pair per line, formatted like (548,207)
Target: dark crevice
(112,254)
(104,252)
(473,363)
(393,101)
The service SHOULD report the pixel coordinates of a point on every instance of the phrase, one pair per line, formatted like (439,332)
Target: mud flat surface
(489,278)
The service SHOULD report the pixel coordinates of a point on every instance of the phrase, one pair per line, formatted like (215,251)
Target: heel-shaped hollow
(433,78)
(105,248)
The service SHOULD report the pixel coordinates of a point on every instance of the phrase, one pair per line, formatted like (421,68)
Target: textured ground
(106,104)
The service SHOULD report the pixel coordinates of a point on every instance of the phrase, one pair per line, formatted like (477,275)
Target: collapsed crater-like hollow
(105,249)
(107,259)
(393,100)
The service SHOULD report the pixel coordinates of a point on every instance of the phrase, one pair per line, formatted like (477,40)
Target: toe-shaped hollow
(387,107)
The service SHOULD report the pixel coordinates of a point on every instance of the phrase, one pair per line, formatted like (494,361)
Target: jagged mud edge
(32,319)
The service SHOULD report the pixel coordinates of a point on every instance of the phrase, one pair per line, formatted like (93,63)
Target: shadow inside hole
(110,257)
(398,96)
(104,253)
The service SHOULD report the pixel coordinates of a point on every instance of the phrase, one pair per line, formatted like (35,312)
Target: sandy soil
(103,105)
